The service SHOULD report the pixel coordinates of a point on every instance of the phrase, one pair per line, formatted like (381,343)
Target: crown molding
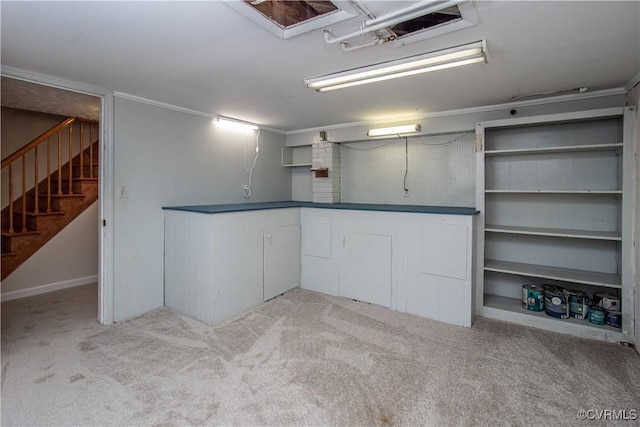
(633,82)
(52,81)
(172,107)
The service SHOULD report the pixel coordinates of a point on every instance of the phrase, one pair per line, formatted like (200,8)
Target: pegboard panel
(441,171)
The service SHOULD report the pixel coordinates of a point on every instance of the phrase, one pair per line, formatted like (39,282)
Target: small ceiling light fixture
(236,124)
(394,130)
(439,60)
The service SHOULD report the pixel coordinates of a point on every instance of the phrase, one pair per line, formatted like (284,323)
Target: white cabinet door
(365,268)
(281,259)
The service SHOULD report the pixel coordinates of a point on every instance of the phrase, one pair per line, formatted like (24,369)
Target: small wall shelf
(510,309)
(555,232)
(555,273)
(567,149)
(292,157)
(555,191)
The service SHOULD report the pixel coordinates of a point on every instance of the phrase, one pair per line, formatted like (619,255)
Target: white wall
(168,158)
(437,125)
(69,259)
(301,184)
(437,171)
(20,127)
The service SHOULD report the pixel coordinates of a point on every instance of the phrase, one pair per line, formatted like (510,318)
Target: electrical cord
(393,141)
(406,151)
(446,142)
(246,189)
(342,144)
(406,163)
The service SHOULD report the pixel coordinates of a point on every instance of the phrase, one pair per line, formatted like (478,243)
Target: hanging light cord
(246,189)
(406,163)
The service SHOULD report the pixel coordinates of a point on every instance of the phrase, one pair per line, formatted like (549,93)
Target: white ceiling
(205,56)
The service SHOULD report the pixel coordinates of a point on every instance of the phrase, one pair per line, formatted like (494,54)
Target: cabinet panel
(446,257)
(439,268)
(281,259)
(319,270)
(188,255)
(365,268)
(316,240)
(236,264)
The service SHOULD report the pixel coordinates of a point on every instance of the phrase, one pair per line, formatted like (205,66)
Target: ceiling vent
(290,18)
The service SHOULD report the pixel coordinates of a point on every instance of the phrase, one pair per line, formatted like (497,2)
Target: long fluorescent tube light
(394,130)
(433,61)
(236,124)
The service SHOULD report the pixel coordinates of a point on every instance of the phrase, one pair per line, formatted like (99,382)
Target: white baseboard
(43,289)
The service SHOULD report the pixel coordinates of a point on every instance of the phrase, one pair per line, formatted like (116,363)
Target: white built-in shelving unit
(292,157)
(555,195)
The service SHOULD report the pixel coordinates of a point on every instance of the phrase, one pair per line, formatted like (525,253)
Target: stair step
(75,179)
(86,178)
(63,195)
(16,233)
(41,213)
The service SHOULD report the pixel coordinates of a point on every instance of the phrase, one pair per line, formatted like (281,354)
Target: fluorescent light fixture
(394,130)
(433,61)
(236,124)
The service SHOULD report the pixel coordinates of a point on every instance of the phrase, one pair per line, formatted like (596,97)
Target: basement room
(320,212)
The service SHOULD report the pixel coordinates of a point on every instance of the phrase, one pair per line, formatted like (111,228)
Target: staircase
(63,161)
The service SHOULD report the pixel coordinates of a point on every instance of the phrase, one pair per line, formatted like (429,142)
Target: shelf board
(295,165)
(555,273)
(567,149)
(510,309)
(554,232)
(554,191)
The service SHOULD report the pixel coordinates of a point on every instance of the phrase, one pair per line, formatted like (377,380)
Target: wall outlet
(122,194)
(406,193)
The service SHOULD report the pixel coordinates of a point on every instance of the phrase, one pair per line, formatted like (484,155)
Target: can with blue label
(532,298)
(614,318)
(597,315)
(556,303)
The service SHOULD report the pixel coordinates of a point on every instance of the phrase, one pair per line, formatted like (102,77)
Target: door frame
(105,194)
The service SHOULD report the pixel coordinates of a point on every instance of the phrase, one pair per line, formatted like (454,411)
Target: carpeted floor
(301,359)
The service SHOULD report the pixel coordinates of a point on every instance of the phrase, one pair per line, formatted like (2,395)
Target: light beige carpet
(301,359)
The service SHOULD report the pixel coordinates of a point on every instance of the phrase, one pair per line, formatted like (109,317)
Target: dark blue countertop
(241,207)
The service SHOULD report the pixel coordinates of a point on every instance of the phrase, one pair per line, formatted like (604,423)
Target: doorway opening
(53,145)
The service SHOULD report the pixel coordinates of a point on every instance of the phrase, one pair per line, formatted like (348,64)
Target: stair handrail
(33,145)
(24,149)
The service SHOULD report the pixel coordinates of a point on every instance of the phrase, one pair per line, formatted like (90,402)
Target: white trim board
(43,289)
(51,81)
